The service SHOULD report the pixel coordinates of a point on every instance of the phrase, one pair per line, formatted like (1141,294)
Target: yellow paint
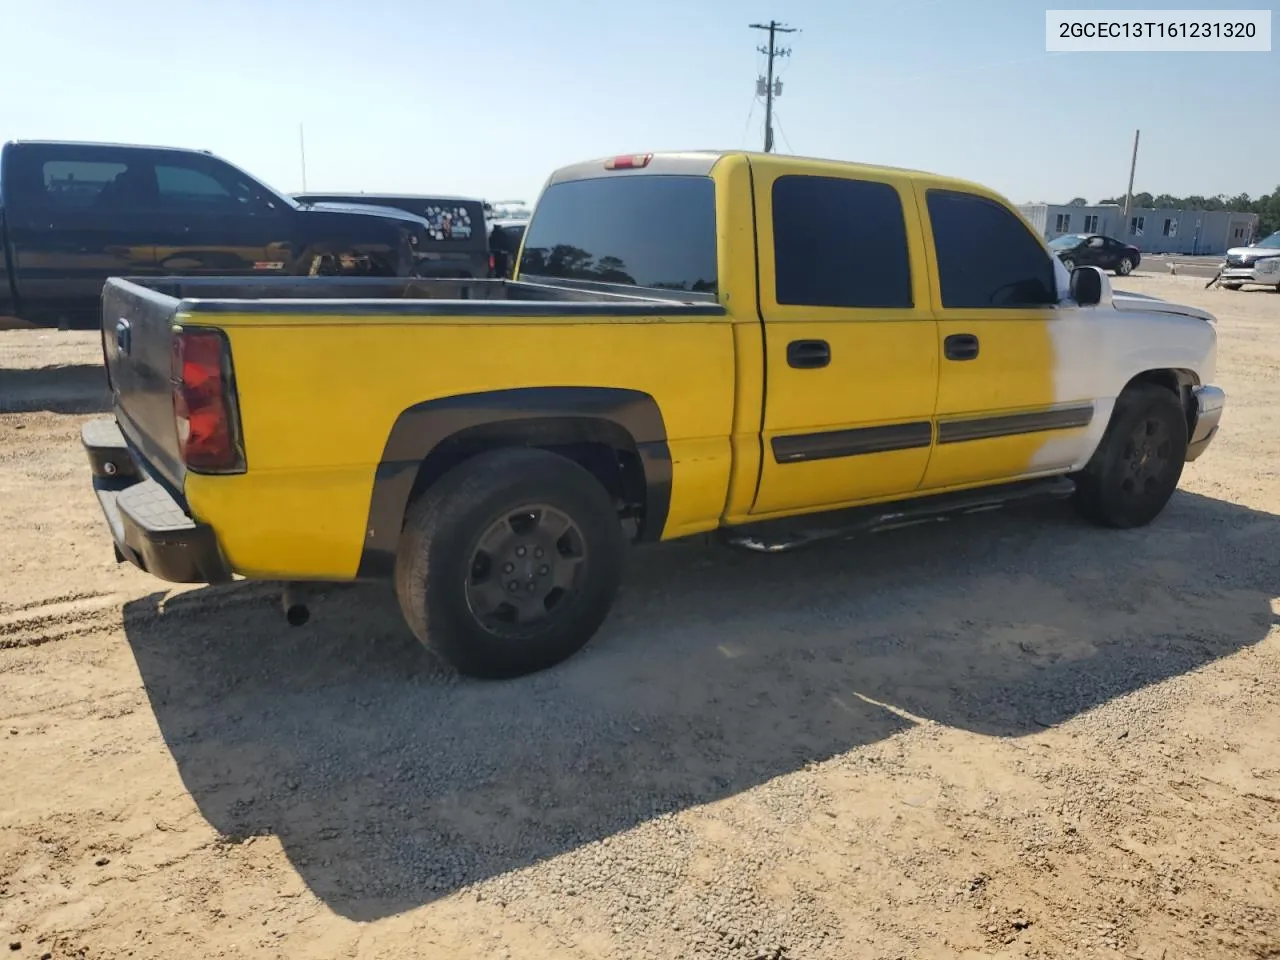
(883,370)
(319,394)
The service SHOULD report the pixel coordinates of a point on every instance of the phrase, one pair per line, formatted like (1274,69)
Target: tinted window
(185,187)
(986,256)
(77,183)
(839,243)
(451,220)
(646,230)
(447,220)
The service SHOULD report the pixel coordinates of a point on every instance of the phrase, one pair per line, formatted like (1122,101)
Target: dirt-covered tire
(1136,467)
(510,562)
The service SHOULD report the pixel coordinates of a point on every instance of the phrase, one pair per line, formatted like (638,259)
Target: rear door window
(77,183)
(648,230)
(987,257)
(75,178)
(839,243)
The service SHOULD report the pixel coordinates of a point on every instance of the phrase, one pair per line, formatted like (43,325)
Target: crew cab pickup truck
(777,348)
(73,214)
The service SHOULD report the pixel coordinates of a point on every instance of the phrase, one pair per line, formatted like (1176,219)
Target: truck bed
(139,314)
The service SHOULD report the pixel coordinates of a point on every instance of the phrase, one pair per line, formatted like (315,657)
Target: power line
(750,113)
(782,130)
(765,85)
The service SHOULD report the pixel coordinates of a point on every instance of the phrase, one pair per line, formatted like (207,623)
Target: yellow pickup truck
(779,348)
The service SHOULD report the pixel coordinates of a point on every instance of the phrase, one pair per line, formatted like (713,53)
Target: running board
(777,536)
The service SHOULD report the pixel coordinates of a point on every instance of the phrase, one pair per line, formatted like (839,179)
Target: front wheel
(1124,267)
(510,563)
(1235,286)
(1136,467)
(1069,264)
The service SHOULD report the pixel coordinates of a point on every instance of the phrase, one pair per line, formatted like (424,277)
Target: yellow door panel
(850,389)
(1003,411)
(822,427)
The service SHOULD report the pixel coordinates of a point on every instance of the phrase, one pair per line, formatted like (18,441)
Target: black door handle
(960,346)
(808,354)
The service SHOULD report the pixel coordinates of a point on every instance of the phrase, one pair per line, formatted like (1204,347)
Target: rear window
(447,220)
(645,231)
(450,221)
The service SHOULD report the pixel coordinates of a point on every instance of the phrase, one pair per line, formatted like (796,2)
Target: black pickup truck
(73,214)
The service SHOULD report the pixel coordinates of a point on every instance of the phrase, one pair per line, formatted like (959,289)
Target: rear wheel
(1068,263)
(1136,467)
(1235,286)
(510,563)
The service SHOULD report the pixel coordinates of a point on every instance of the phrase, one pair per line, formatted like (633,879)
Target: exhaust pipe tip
(296,613)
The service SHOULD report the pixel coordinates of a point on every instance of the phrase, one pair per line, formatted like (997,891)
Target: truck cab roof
(701,162)
(115,146)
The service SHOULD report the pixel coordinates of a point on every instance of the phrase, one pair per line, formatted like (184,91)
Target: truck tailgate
(137,325)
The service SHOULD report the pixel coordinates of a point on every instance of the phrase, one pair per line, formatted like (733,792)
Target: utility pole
(774,27)
(1133,165)
(302,150)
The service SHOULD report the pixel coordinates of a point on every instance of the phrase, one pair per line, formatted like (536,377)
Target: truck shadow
(391,783)
(64,388)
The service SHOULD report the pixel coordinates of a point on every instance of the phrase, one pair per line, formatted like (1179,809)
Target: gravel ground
(1008,736)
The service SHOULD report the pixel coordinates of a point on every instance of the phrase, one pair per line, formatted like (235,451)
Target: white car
(1258,264)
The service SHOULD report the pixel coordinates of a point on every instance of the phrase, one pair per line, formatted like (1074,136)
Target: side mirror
(1086,286)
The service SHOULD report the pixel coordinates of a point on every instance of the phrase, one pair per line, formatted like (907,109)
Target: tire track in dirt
(44,621)
(38,622)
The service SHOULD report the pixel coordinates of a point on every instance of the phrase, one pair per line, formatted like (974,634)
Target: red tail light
(204,402)
(492,264)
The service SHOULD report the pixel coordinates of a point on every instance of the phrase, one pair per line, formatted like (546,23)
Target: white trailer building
(1165,230)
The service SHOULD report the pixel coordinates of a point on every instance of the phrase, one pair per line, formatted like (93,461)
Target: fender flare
(423,427)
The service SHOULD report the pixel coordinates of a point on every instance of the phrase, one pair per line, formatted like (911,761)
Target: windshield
(1066,242)
(1271,241)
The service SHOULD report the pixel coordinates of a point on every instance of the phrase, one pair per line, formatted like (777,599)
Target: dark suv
(456,244)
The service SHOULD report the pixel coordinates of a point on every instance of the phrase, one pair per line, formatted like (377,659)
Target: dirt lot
(1011,736)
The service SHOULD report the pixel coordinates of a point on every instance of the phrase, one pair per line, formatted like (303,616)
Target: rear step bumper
(150,528)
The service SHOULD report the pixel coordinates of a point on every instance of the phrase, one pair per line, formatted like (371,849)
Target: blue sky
(488,96)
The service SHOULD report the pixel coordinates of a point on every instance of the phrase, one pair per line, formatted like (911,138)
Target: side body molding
(423,427)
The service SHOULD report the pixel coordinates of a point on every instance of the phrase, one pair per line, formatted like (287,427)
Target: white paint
(1099,349)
